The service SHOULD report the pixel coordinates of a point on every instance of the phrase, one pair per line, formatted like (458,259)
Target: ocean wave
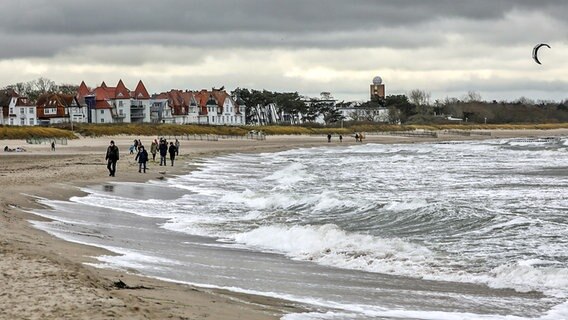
(329,245)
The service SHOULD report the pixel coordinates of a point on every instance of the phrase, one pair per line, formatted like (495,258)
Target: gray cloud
(293,45)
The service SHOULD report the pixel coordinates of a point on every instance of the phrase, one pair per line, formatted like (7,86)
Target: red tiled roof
(83,90)
(140,92)
(102,104)
(121,92)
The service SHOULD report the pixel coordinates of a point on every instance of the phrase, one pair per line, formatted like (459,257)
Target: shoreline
(46,277)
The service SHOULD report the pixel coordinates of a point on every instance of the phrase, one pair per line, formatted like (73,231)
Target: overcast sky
(444,47)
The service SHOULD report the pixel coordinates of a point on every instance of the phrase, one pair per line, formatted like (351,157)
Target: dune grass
(97,130)
(26,132)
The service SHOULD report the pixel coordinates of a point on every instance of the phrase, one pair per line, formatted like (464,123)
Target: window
(102,120)
(11,110)
(32,122)
(120,112)
(22,111)
(11,121)
(120,103)
(102,112)
(23,121)
(31,110)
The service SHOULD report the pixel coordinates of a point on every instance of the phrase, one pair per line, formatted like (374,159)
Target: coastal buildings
(16,110)
(215,107)
(21,112)
(118,104)
(53,108)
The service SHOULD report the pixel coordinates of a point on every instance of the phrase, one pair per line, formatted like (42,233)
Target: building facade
(21,112)
(53,108)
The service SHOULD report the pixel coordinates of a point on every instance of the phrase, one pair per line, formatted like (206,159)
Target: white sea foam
(479,212)
(329,245)
(290,174)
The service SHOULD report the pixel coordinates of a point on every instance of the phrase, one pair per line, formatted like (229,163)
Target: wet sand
(46,278)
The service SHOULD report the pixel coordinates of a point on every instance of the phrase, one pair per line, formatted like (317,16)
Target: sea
(451,230)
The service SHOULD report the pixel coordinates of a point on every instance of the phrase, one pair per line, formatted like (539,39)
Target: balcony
(116,115)
(137,115)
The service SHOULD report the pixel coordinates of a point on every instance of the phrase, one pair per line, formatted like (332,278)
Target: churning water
(468,230)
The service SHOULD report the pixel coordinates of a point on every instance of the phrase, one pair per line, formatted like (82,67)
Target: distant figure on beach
(112,157)
(131,149)
(356,137)
(154,149)
(142,157)
(172,150)
(136,144)
(329,137)
(177,147)
(163,148)
(52,145)
(361,137)
(340,138)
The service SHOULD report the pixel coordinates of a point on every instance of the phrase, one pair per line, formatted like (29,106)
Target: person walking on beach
(172,150)
(111,158)
(52,145)
(142,157)
(340,138)
(154,149)
(356,137)
(329,137)
(163,147)
(177,147)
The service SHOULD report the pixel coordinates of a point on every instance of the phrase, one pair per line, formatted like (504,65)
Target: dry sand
(45,278)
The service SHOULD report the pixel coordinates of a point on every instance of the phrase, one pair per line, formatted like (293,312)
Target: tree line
(415,107)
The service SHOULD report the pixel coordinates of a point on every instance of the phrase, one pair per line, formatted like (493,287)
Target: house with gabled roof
(215,107)
(219,108)
(116,104)
(55,108)
(6,96)
(161,112)
(22,112)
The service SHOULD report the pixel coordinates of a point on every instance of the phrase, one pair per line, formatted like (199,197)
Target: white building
(21,112)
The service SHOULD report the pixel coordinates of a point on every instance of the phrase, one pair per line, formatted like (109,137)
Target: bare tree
(472,96)
(43,85)
(419,97)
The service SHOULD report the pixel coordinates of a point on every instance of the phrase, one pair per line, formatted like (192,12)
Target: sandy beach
(46,278)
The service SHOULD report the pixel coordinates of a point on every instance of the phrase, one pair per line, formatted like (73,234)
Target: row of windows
(31,110)
(226,119)
(23,122)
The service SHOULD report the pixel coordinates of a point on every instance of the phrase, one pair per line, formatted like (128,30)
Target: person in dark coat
(142,157)
(163,147)
(112,157)
(172,150)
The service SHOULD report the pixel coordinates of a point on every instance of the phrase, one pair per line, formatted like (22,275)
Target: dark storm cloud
(42,28)
(287,17)
(408,41)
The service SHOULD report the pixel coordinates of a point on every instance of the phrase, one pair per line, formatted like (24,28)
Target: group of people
(329,137)
(142,156)
(17,149)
